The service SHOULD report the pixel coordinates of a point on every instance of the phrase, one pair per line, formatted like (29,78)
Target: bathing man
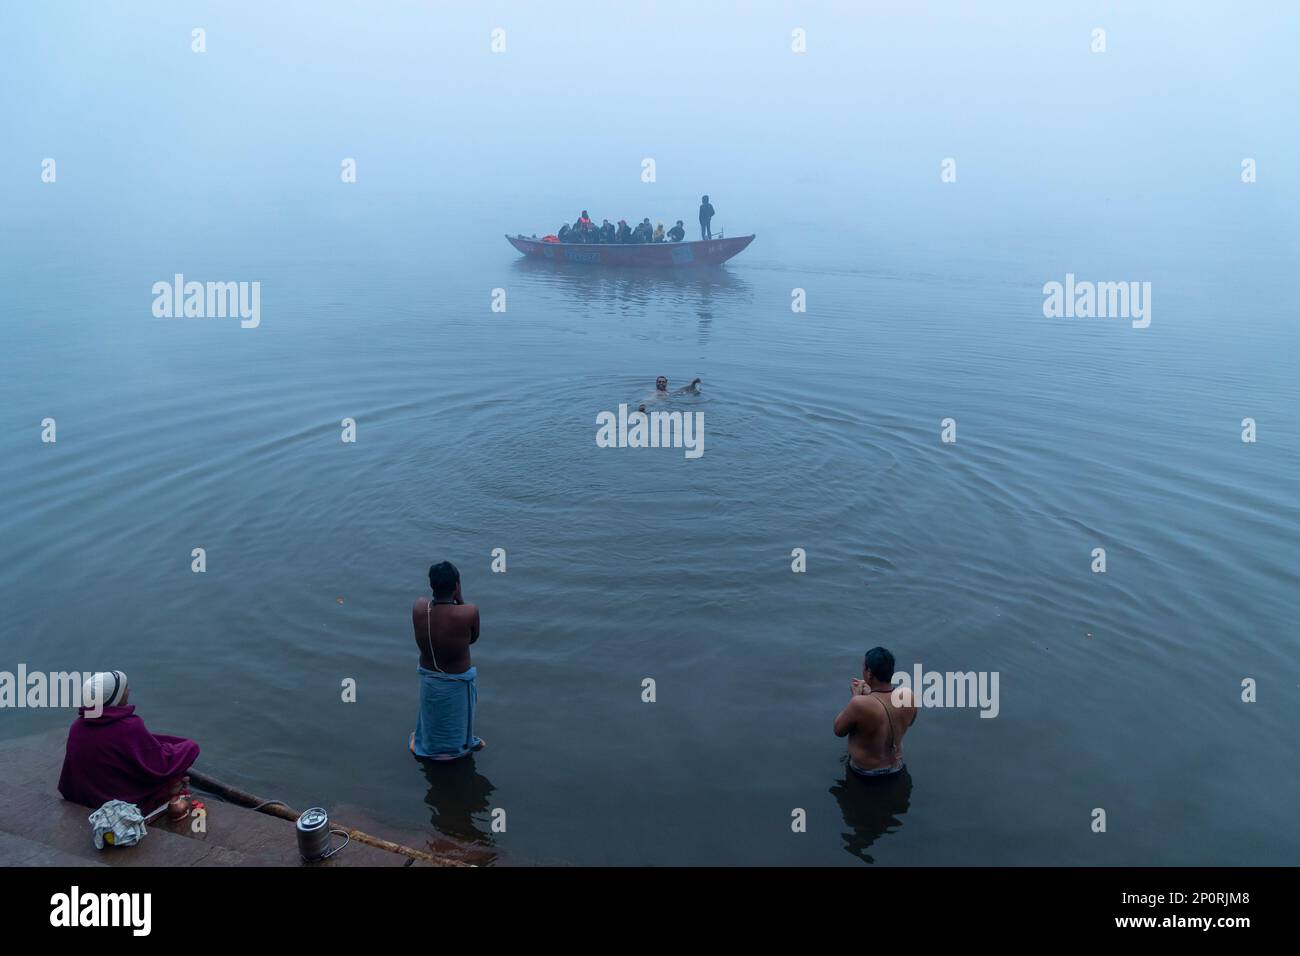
(876,718)
(445,626)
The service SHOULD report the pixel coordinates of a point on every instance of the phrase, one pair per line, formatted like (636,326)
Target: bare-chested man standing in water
(445,627)
(874,723)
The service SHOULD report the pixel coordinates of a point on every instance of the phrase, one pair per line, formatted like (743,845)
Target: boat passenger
(658,234)
(111,755)
(606,231)
(624,231)
(584,221)
(706,217)
(565,234)
(444,724)
(678,232)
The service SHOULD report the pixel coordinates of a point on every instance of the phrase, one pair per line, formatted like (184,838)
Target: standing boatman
(706,216)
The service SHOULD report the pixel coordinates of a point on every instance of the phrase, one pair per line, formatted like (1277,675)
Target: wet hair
(704,199)
(443,578)
(880,662)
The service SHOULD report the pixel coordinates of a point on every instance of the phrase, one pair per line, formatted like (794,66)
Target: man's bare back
(877,727)
(446,631)
(877,717)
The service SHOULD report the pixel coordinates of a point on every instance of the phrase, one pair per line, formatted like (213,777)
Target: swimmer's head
(661,384)
(640,408)
(695,383)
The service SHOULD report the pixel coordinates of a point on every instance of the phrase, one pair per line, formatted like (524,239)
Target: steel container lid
(313,819)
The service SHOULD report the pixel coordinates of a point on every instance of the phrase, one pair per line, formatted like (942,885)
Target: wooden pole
(276,809)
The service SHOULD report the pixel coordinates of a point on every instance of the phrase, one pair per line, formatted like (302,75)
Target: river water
(476,429)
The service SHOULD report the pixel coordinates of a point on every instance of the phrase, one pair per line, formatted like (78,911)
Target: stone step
(39,825)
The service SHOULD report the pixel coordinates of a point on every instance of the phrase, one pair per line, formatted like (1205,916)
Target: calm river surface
(476,428)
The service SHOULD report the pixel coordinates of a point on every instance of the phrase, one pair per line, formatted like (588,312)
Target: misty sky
(1044,131)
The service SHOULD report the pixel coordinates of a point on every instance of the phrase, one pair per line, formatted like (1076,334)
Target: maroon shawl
(114,757)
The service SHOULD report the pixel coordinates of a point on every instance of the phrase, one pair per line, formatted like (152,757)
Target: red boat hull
(702,252)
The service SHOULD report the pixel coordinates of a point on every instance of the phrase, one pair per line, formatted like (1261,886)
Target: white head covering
(105,689)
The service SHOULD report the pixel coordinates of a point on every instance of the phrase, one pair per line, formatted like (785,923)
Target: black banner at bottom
(575,903)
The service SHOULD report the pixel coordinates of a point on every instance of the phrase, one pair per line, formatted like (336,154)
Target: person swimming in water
(661,388)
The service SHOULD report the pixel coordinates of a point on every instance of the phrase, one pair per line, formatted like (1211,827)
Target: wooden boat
(701,252)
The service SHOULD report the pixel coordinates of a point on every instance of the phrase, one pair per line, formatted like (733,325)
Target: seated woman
(111,755)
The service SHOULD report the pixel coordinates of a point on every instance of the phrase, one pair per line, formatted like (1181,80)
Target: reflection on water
(641,292)
(458,796)
(699,289)
(643,280)
(871,808)
(706,323)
